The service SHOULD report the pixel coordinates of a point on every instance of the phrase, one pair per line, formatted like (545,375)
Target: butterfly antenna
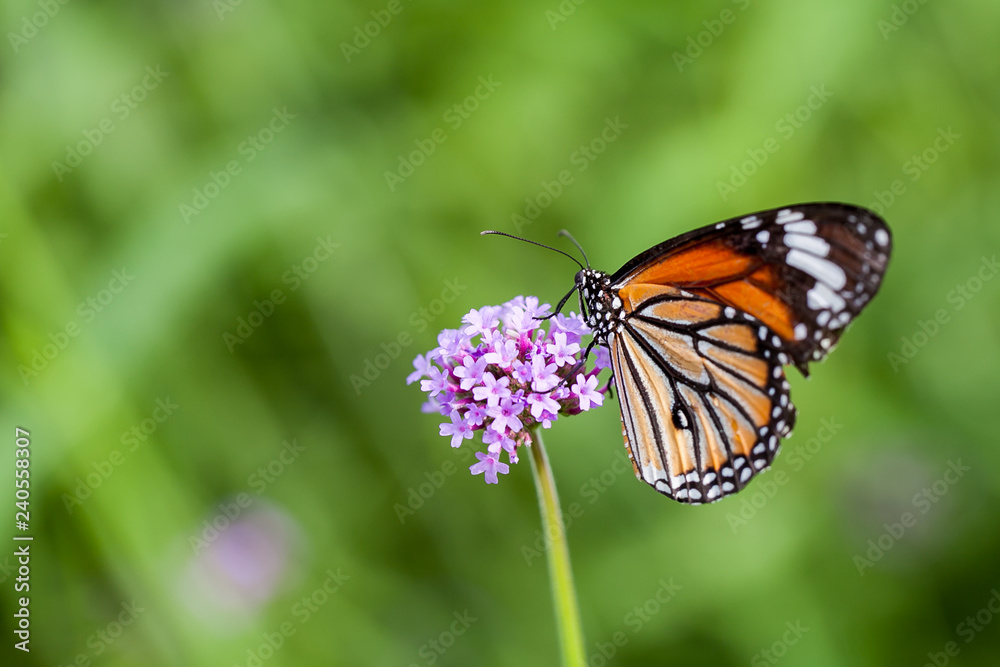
(563,232)
(562,302)
(518,238)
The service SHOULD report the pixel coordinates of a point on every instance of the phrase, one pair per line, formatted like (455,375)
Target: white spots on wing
(681,494)
(750,222)
(777,372)
(820,269)
(775,341)
(762,333)
(728,487)
(759,449)
(804,227)
(652,474)
(720,225)
(692,476)
(745,474)
(739,462)
(821,297)
(729,312)
(823,318)
(758,463)
(713,492)
(726,471)
(695,494)
(616,303)
(813,244)
(772,443)
(708,478)
(763,236)
(881,237)
(800,331)
(786,215)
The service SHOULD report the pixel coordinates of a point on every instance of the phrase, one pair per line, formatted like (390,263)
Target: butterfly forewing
(805,271)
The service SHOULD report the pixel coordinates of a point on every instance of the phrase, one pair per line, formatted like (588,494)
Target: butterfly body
(700,327)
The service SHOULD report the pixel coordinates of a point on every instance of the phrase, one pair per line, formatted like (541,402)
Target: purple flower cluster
(502,374)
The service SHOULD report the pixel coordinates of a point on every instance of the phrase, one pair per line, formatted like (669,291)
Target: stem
(563,590)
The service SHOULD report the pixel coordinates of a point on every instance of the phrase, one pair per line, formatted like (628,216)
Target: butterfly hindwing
(704,399)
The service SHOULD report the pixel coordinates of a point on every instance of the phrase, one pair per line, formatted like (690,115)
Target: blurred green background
(201,246)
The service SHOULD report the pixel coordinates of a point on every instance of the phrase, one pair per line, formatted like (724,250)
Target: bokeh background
(169,169)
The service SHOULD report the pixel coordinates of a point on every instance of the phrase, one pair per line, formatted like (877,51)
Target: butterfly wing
(805,271)
(704,399)
(711,318)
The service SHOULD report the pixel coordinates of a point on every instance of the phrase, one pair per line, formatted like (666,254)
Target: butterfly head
(599,302)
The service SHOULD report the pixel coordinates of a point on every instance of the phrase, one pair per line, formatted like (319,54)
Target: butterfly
(699,329)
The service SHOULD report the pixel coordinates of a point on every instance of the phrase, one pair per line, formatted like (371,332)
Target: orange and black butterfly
(700,327)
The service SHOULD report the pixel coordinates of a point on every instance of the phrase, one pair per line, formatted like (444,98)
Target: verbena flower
(503,374)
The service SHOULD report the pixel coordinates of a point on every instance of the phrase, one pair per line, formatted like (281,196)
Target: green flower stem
(563,590)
